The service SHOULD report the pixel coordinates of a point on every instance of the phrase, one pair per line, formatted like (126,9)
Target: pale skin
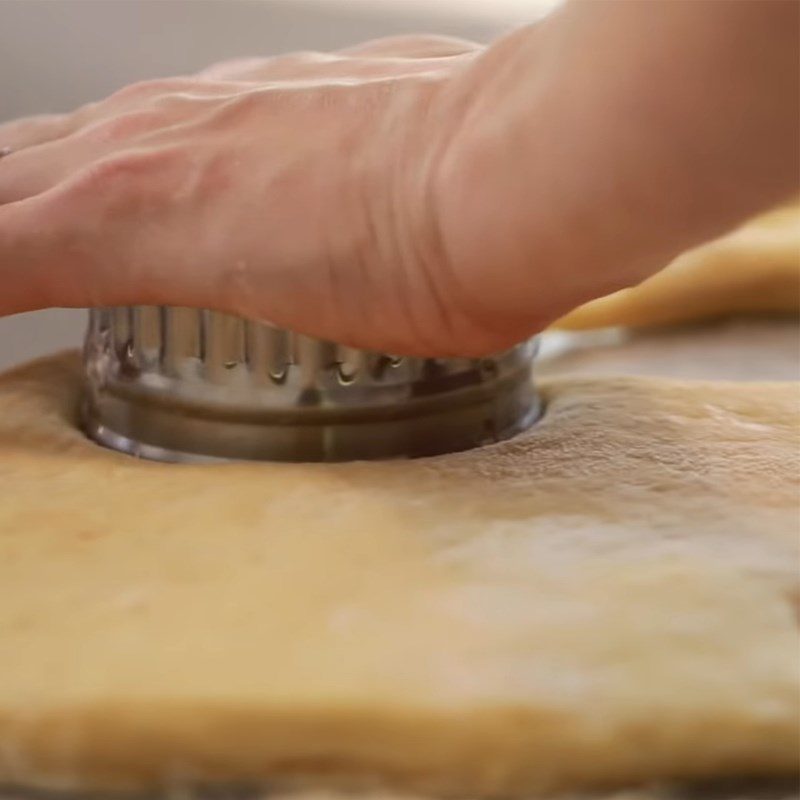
(416,195)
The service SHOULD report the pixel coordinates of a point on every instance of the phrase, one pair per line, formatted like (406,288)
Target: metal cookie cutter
(190,385)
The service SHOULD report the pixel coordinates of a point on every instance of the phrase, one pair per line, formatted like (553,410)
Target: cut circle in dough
(755,269)
(606,599)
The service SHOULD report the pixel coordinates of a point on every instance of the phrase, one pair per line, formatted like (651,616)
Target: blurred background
(57,54)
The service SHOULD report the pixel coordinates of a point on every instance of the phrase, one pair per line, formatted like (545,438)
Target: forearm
(618,134)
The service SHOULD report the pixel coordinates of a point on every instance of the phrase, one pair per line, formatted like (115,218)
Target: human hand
(416,195)
(294,189)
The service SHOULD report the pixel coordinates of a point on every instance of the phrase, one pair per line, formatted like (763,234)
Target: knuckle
(298,65)
(134,175)
(140,89)
(178,103)
(142,92)
(229,64)
(84,115)
(300,58)
(232,70)
(445,42)
(418,44)
(123,126)
(233,110)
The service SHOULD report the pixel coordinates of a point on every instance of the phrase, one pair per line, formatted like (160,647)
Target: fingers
(28,243)
(34,170)
(22,134)
(415,46)
(31,170)
(31,131)
(90,240)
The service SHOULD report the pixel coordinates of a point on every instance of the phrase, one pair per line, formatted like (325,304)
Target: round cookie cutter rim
(153,414)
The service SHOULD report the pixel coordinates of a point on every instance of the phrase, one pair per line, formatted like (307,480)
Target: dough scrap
(606,599)
(755,269)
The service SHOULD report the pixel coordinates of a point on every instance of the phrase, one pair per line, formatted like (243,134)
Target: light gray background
(56,54)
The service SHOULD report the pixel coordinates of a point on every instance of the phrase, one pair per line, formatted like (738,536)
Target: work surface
(737,349)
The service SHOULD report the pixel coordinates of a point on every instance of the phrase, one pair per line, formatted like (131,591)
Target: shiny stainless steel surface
(180,384)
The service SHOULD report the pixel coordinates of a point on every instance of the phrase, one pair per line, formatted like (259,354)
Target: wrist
(594,147)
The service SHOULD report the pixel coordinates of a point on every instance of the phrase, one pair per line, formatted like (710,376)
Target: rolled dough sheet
(755,269)
(608,598)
